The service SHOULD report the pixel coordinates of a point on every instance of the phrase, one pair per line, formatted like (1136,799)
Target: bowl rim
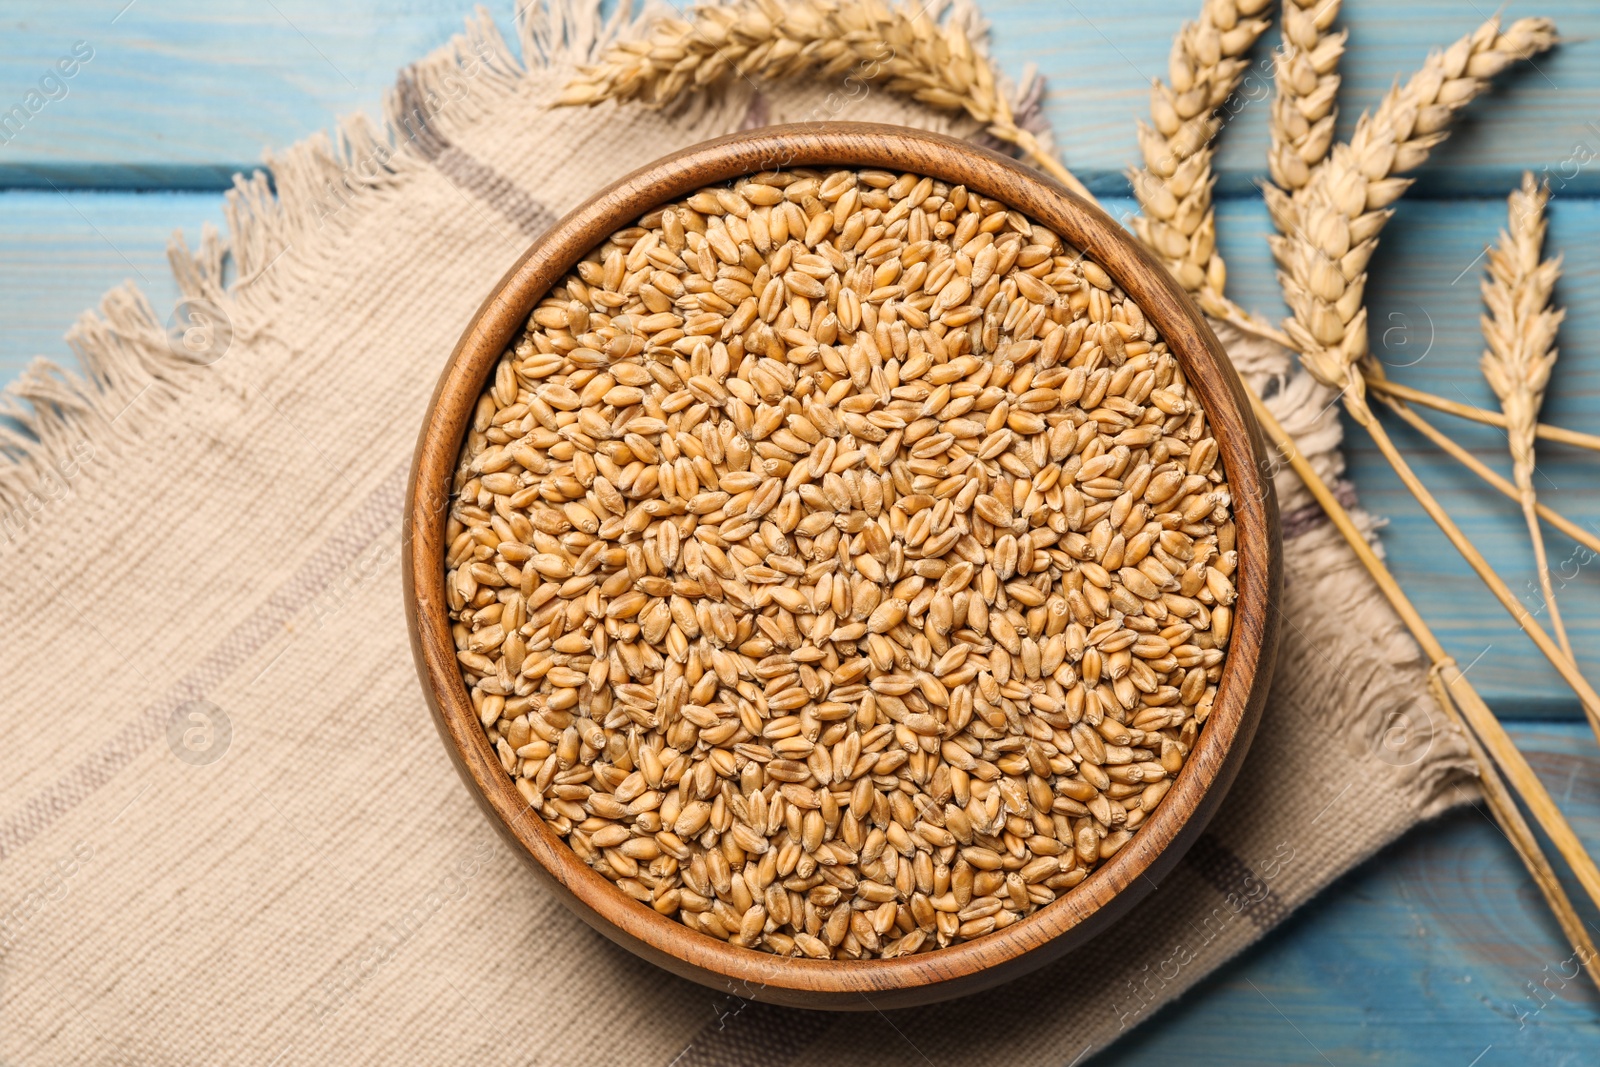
(1111,888)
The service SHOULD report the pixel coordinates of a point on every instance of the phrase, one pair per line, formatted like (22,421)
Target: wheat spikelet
(905,50)
(1520,331)
(1331,224)
(1306,69)
(1174,185)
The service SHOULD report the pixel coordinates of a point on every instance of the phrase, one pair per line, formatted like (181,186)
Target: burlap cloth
(228,830)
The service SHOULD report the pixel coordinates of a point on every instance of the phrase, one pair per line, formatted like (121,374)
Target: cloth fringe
(129,355)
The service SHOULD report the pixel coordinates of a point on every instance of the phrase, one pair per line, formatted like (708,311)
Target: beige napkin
(228,831)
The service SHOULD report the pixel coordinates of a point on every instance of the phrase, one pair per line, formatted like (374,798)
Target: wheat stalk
(1329,227)
(1559,659)
(1330,224)
(1543,431)
(1520,331)
(1304,110)
(905,50)
(1173,186)
(1308,49)
(1462,703)
(1482,470)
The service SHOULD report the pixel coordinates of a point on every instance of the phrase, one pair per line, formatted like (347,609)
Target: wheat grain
(1304,110)
(905,49)
(841,563)
(1328,228)
(1174,184)
(1520,331)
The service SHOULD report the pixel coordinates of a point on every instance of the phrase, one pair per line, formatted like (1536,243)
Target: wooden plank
(180,93)
(1430,954)
(59,252)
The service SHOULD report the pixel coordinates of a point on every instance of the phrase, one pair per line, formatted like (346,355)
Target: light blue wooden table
(1438,952)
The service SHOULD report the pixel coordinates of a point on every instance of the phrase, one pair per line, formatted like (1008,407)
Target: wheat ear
(1177,220)
(1304,110)
(1329,226)
(905,50)
(1520,331)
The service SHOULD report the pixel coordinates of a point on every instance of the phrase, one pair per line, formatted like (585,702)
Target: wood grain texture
(180,92)
(59,252)
(1113,887)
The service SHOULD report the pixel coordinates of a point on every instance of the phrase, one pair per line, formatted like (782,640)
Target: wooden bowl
(1113,887)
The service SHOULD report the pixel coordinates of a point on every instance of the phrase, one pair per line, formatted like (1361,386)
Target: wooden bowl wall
(1111,888)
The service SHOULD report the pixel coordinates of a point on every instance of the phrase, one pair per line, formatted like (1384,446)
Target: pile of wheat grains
(841,563)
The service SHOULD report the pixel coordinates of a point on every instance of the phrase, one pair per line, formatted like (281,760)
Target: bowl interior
(1113,886)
